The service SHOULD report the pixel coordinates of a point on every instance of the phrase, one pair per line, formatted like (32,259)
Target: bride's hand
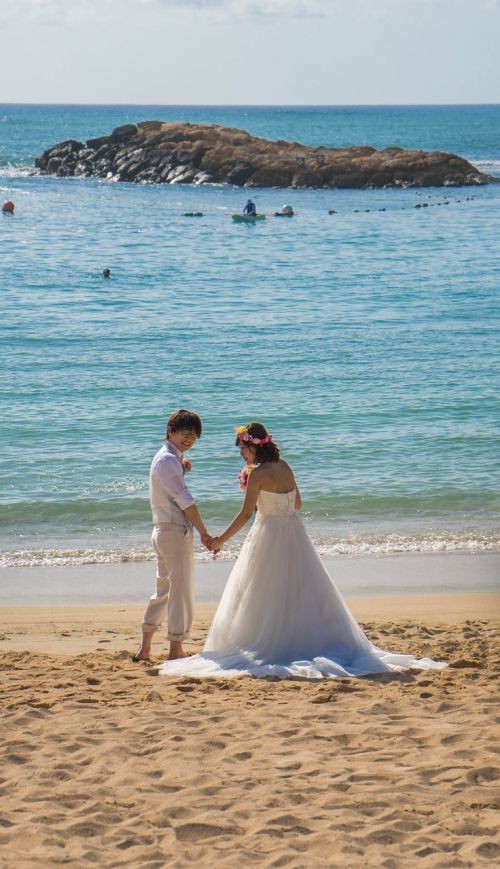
(215,544)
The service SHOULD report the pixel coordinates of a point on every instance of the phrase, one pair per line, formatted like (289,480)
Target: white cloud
(240,8)
(57,11)
(45,11)
(344,51)
(72,11)
(312,8)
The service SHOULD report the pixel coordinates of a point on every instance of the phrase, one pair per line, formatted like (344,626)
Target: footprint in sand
(169,789)
(425,852)
(384,837)
(290,824)
(490,850)
(452,740)
(211,791)
(299,799)
(463,663)
(483,776)
(194,832)
(215,743)
(16,758)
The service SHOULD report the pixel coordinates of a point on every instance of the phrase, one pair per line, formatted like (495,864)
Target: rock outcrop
(181,153)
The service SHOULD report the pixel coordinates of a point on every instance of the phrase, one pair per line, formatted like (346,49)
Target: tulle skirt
(281,615)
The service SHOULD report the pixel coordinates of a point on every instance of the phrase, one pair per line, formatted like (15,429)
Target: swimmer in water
(286,211)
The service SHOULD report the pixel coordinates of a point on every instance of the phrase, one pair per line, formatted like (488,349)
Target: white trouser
(173,545)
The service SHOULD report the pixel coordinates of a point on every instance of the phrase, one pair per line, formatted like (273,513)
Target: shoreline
(332,540)
(68,630)
(355,576)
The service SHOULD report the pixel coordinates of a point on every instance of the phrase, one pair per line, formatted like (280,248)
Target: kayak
(247,218)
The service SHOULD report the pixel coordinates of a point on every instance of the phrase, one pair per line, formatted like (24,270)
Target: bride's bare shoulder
(275,476)
(271,468)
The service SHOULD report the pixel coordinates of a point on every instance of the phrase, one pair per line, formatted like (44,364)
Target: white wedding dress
(281,615)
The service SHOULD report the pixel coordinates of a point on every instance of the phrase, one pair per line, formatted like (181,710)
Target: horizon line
(254,105)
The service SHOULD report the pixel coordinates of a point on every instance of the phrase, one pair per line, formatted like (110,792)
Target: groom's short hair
(182,419)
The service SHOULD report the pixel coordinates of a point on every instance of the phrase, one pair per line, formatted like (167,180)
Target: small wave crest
(62,557)
(417,543)
(488,166)
(392,544)
(327,547)
(10,171)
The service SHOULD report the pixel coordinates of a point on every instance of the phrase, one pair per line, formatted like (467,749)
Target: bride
(280,613)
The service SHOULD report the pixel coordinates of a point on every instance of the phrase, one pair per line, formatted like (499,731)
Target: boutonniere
(186,465)
(244,475)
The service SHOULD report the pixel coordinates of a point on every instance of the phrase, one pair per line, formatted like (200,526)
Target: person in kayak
(250,209)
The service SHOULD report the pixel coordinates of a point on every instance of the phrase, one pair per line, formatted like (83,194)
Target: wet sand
(132,582)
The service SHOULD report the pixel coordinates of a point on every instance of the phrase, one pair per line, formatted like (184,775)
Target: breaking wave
(327,546)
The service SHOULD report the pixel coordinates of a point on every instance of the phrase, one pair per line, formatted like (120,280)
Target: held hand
(216,544)
(206,539)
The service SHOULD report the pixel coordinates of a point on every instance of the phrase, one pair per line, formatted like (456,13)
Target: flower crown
(243,435)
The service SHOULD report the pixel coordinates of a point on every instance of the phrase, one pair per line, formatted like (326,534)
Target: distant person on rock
(250,209)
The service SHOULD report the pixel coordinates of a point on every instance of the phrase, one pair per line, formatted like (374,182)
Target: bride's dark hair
(263,452)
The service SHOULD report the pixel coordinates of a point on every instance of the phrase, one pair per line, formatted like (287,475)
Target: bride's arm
(245,513)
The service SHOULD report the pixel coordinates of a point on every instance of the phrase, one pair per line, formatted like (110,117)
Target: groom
(174,514)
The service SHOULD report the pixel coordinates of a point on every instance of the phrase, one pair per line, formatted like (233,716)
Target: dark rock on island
(155,152)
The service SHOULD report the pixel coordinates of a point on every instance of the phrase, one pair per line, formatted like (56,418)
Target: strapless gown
(281,615)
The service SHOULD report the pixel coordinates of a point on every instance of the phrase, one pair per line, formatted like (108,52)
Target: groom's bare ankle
(176,650)
(144,651)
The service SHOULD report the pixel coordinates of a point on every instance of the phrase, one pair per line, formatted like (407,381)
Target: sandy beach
(105,764)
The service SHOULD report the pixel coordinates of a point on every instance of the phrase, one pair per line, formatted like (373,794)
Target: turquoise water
(365,340)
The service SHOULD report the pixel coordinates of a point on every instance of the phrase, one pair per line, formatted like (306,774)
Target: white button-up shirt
(168,492)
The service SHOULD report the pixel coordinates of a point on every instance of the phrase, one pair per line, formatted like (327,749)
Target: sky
(255,52)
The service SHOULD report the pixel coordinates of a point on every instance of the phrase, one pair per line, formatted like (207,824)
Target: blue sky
(330,52)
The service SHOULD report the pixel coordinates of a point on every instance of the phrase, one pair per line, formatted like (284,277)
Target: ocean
(365,340)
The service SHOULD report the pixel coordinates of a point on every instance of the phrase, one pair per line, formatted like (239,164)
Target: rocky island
(155,152)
